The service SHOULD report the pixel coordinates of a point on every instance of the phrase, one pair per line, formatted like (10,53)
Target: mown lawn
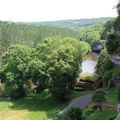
(34,107)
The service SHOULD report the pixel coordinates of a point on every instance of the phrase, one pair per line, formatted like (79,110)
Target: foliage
(99,96)
(103,63)
(106,69)
(74,23)
(26,34)
(37,67)
(14,62)
(55,62)
(63,67)
(88,76)
(113,41)
(111,44)
(92,34)
(117,23)
(108,113)
(108,29)
(73,113)
(32,33)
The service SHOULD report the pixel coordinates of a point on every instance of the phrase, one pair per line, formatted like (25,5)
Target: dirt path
(81,101)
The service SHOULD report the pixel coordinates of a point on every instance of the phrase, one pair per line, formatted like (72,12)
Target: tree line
(19,33)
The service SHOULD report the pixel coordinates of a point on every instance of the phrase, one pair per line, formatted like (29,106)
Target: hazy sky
(46,10)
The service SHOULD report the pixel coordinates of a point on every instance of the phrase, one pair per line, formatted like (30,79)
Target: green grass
(112,96)
(43,107)
(103,115)
(34,107)
(37,107)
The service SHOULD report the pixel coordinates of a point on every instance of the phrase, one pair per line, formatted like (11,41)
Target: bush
(99,97)
(73,113)
(18,93)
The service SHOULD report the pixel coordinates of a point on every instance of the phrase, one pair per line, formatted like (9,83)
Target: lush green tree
(113,42)
(99,97)
(92,34)
(37,73)
(55,61)
(103,67)
(103,63)
(108,29)
(14,65)
(61,60)
(63,67)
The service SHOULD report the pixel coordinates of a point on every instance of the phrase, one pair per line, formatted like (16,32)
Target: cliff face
(115,58)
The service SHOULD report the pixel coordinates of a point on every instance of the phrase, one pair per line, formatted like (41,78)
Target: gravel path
(81,101)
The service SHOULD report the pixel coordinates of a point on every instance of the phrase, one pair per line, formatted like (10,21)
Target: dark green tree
(99,97)
(73,113)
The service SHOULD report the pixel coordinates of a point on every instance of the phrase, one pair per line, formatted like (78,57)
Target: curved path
(81,101)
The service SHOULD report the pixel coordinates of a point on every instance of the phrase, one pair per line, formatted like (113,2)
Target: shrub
(99,97)
(73,113)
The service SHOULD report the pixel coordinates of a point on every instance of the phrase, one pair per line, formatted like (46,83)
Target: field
(43,107)
(34,107)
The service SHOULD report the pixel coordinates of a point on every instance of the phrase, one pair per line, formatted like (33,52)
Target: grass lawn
(103,115)
(43,107)
(34,107)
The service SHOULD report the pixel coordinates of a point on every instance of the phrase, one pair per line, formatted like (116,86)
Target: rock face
(82,85)
(118,110)
(115,58)
(118,33)
(97,48)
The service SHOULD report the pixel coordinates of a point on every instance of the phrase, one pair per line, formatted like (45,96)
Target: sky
(50,10)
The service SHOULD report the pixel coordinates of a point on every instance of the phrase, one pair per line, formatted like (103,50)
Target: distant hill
(73,23)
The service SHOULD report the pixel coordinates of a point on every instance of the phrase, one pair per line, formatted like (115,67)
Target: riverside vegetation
(41,64)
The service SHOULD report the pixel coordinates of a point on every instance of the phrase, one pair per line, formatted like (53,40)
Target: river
(89,63)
